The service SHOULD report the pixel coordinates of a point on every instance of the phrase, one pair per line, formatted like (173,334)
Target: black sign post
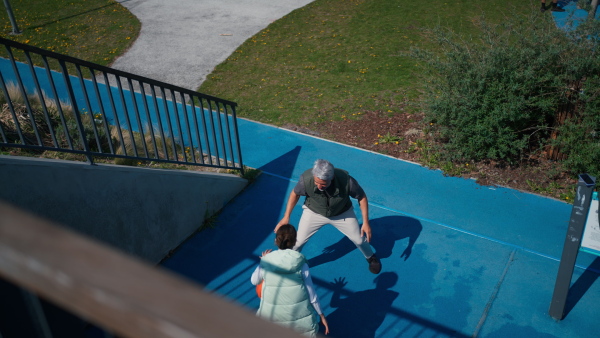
(581,206)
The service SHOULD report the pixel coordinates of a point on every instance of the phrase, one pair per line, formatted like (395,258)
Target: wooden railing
(119,293)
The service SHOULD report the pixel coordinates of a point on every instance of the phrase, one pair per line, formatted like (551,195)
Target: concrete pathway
(181,41)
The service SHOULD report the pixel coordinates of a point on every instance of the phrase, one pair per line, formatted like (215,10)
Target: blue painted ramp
(572,16)
(458,259)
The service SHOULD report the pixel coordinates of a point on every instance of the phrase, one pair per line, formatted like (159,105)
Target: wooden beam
(113,290)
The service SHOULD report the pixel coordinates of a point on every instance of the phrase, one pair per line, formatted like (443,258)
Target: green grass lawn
(336,59)
(93,30)
(330,60)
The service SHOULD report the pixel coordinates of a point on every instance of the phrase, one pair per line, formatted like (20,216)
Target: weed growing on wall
(40,122)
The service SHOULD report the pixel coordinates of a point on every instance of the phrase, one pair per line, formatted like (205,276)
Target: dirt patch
(405,136)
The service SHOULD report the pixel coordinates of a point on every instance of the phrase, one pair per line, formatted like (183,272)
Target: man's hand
(285,220)
(292,200)
(365,230)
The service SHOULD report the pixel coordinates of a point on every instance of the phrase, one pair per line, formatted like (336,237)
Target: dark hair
(285,238)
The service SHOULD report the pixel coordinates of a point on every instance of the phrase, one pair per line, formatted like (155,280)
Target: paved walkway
(458,259)
(181,41)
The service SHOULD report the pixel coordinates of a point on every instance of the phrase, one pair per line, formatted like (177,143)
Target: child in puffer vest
(288,297)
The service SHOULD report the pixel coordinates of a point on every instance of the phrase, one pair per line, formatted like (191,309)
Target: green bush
(496,96)
(579,137)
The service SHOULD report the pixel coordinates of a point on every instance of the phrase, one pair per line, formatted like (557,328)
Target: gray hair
(323,169)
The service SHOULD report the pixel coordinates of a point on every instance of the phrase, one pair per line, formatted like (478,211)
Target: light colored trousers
(346,223)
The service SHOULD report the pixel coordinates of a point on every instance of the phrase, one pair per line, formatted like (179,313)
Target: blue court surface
(459,259)
(572,15)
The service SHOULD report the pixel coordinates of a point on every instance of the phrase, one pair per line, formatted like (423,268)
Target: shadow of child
(359,314)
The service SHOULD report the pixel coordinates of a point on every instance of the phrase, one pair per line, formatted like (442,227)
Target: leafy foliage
(51,124)
(496,96)
(580,137)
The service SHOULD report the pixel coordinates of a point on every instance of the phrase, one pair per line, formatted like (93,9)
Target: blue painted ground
(571,17)
(458,259)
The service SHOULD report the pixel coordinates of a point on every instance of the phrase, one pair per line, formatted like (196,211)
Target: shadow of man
(386,231)
(360,314)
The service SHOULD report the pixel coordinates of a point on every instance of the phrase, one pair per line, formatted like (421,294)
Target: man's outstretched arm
(292,201)
(365,230)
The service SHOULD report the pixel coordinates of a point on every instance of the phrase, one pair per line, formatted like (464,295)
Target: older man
(328,191)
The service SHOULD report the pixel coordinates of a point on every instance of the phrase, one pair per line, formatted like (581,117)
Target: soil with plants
(406,136)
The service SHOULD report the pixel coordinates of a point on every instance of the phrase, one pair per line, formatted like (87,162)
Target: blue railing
(51,101)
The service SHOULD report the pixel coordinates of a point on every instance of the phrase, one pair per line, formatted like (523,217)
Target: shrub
(143,144)
(48,123)
(496,96)
(579,137)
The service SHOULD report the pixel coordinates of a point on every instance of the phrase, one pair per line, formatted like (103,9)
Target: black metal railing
(51,101)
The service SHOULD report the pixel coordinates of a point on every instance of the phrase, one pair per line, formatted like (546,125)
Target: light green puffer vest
(285,299)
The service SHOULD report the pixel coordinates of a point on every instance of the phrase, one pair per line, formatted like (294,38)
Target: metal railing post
(239,148)
(73,99)
(11,16)
(585,188)
(40,323)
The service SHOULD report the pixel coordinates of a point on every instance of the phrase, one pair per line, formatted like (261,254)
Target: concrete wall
(145,212)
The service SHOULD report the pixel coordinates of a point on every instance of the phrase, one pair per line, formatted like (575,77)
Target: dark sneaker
(557,9)
(543,9)
(374,264)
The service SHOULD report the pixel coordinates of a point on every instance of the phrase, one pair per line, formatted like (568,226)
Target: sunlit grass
(93,30)
(334,59)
